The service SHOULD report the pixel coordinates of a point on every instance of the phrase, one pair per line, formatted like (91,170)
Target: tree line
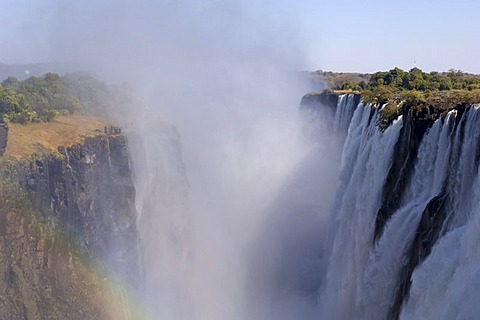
(416,79)
(40,99)
(425,93)
(414,88)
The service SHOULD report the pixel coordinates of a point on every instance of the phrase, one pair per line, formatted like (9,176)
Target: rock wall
(89,191)
(67,228)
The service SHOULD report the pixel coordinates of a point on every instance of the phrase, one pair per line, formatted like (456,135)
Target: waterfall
(423,261)
(447,284)
(365,162)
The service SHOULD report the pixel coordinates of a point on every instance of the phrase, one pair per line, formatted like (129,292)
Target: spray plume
(224,197)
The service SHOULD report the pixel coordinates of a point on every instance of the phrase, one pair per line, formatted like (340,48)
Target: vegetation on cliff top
(49,111)
(430,94)
(415,79)
(40,99)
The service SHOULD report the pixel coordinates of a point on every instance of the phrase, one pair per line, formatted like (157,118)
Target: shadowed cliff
(69,245)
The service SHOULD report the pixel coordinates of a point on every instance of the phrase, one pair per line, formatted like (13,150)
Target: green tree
(9,100)
(394,77)
(11,82)
(415,80)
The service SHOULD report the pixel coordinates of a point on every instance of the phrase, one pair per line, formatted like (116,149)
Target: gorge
(340,214)
(239,160)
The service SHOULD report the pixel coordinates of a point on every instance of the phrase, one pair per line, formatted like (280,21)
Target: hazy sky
(345,35)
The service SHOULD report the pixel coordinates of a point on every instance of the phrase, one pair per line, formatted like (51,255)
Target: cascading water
(423,261)
(446,285)
(365,163)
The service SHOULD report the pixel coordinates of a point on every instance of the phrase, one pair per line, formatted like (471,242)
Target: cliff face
(68,228)
(89,191)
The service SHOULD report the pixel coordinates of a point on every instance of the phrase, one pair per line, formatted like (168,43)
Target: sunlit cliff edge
(45,137)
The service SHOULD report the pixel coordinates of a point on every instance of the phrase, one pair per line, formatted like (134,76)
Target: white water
(387,256)
(365,163)
(447,284)
(361,277)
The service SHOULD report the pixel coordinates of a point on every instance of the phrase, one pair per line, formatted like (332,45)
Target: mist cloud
(223,73)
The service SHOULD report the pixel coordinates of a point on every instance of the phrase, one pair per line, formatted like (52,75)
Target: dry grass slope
(25,140)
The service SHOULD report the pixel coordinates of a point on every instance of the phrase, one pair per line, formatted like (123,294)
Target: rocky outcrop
(314,99)
(68,228)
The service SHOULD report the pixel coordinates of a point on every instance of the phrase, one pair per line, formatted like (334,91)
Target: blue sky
(371,35)
(347,35)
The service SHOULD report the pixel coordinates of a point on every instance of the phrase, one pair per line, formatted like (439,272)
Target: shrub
(48,115)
